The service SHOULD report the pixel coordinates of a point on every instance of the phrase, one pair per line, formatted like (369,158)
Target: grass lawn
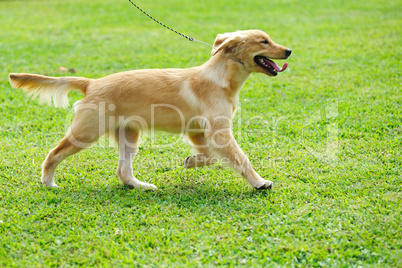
(327,131)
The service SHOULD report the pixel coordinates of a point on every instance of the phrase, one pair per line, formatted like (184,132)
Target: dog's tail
(49,88)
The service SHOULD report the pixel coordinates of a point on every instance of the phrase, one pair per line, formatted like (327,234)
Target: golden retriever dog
(198,102)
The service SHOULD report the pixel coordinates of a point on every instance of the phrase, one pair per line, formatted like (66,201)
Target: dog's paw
(48,181)
(50,185)
(265,185)
(147,186)
(198,160)
(142,185)
(189,162)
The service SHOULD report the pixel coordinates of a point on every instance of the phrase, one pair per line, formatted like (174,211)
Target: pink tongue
(277,68)
(283,67)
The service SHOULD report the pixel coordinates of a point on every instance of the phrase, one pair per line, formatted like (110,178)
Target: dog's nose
(288,52)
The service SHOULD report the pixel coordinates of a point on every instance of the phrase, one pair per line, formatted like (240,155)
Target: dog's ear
(228,41)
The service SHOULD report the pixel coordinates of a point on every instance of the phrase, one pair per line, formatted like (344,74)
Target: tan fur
(199,102)
(48,88)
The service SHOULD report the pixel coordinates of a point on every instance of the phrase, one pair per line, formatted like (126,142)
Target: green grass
(327,131)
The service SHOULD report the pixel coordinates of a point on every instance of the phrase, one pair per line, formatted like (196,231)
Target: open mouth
(268,65)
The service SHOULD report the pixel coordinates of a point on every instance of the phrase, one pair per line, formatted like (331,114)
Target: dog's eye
(265,42)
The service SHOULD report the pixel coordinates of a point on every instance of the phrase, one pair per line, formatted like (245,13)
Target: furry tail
(49,88)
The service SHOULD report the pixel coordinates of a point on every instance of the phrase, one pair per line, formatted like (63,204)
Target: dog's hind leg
(128,141)
(67,146)
(53,159)
(82,133)
(204,157)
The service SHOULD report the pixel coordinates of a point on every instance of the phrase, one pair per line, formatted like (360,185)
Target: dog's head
(254,49)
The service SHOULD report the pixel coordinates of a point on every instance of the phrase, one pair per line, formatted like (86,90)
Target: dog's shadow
(194,197)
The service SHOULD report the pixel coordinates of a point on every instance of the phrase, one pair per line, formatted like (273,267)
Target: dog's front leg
(226,147)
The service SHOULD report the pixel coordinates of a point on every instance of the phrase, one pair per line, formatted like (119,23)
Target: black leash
(179,33)
(160,23)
